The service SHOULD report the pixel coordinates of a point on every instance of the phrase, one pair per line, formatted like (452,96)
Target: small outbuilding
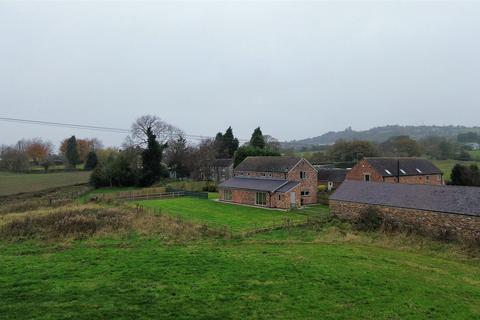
(332,178)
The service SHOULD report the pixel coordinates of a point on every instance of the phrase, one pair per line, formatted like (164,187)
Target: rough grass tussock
(83,221)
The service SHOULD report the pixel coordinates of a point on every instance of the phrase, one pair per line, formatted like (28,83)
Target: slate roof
(450,199)
(331,174)
(257,184)
(268,164)
(388,167)
(222,162)
(287,187)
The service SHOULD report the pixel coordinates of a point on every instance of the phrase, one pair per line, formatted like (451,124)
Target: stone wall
(428,221)
(432,179)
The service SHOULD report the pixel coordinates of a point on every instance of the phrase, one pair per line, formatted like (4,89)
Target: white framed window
(303,175)
(305,193)
(261,199)
(227,195)
(366,177)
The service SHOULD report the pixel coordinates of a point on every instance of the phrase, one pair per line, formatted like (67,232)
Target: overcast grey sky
(297,69)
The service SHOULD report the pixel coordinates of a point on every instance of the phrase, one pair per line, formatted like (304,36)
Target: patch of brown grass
(83,221)
(55,197)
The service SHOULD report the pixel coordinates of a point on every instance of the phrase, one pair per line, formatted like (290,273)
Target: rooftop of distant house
(331,174)
(268,164)
(403,166)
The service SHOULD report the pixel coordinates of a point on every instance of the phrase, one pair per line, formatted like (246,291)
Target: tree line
(401,146)
(26,154)
(157,150)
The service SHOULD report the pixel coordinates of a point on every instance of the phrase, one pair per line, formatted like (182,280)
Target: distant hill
(380,134)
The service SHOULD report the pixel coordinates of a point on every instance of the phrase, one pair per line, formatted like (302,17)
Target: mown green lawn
(12,183)
(143,278)
(235,217)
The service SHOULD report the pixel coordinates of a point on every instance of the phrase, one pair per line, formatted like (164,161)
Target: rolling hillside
(380,134)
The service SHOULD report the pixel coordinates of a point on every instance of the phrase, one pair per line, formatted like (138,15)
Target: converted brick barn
(396,170)
(273,182)
(434,209)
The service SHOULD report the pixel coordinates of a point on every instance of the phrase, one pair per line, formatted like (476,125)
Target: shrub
(92,161)
(368,220)
(210,187)
(322,188)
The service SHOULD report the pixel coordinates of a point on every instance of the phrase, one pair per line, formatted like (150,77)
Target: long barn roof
(388,167)
(450,199)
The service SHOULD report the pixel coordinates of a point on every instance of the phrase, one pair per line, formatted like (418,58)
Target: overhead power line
(85,127)
(106,129)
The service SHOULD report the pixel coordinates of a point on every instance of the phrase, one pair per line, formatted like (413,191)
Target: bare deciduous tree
(201,160)
(14,160)
(164,131)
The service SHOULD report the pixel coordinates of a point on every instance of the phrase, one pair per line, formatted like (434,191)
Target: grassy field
(475,155)
(111,262)
(235,217)
(12,183)
(279,276)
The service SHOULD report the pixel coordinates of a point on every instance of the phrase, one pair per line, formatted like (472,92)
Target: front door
(293,201)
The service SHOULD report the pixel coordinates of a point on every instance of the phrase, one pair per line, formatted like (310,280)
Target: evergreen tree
(230,143)
(92,161)
(73,158)
(226,144)
(465,175)
(257,140)
(218,145)
(151,160)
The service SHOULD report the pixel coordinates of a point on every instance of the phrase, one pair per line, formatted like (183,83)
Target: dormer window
(303,175)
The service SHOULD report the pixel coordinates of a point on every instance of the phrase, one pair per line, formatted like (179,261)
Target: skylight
(403,171)
(388,172)
(419,171)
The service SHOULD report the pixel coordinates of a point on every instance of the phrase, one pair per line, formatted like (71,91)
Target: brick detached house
(396,170)
(434,209)
(332,178)
(273,182)
(222,169)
